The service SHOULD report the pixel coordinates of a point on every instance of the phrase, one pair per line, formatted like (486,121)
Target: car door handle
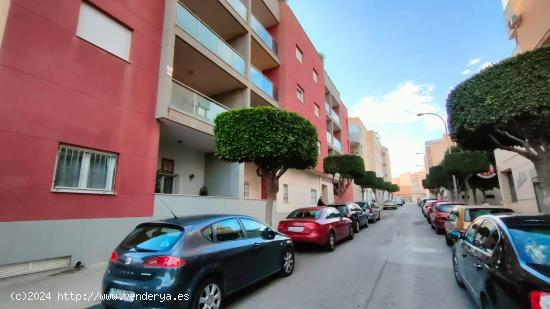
(478,265)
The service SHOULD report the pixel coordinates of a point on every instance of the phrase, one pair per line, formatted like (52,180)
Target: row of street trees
(507,106)
(275,141)
(464,165)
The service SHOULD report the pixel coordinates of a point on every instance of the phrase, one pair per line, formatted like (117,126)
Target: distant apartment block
(410,186)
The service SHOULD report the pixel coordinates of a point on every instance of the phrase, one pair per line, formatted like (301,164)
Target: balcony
(191,102)
(337,144)
(264,35)
(335,116)
(263,83)
(328,109)
(239,7)
(209,39)
(329,138)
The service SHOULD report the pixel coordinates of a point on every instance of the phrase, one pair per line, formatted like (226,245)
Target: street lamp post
(448,145)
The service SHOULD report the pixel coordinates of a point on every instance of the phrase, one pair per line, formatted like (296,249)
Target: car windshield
(152,238)
(471,214)
(446,207)
(533,245)
(363,205)
(305,213)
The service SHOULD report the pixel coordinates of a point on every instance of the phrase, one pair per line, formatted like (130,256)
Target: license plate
(296,228)
(116,294)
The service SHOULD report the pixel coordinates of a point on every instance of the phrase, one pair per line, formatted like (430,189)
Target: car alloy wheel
(456,272)
(356,227)
(288,263)
(331,244)
(210,297)
(448,240)
(351,233)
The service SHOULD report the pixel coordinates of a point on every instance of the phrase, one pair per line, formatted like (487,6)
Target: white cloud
(473,62)
(394,116)
(398,106)
(485,65)
(466,72)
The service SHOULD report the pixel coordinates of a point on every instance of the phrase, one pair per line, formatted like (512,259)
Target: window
(152,238)
(227,230)
(511,186)
(207,233)
(453,216)
(84,169)
(299,54)
(470,232)
(315,76)
(318,147)
(332,213)
(313,197)
(253,228)
(317,110)
(103,31)
(246,189)
(487,237)
(300,93)
(285,193)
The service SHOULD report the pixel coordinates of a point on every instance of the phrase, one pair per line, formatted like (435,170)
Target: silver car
(390,204)
(371,210)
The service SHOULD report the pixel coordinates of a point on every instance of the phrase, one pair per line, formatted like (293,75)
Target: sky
(392,59)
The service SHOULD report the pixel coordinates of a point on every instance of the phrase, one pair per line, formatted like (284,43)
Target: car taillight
(114,257)
(310,227)
(164,262)
(540,300)
(281,227)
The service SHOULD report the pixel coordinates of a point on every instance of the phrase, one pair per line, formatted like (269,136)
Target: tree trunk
(469,194)
(542,166)
(272,189)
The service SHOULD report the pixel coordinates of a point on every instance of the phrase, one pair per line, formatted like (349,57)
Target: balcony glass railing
(194,27)
(239,7)
(262,82)
(189,101)
(335,117)
(327,108)
(337,144)
(264,34)
(329,138)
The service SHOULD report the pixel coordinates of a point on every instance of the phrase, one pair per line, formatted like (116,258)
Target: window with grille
(313,200)
(285,193)
(246,189)
(299,55)
(300,94)
(80,169)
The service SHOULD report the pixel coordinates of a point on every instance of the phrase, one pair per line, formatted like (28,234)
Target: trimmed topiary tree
(367,180)
(464,165)
(439,179)
(273,139)
(507,106)
(344,169)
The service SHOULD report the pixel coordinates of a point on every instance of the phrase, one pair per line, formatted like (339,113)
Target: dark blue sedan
(504,261)
(193,262)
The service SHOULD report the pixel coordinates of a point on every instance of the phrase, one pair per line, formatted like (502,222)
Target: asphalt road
(399,262)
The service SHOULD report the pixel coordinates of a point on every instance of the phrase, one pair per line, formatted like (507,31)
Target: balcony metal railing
(189,101)
(209,39)
(262,32)
(262,82)
(239,7)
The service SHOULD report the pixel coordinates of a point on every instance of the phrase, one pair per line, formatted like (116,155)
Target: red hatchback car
(323,226)
(428,209)
(439,213)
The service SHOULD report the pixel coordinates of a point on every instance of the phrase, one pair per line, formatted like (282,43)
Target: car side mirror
(268,233)
(455,235)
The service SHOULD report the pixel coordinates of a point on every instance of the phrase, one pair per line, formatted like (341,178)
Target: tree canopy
(344,169)
(275,140)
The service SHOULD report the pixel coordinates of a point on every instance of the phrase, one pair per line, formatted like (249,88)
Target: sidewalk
(53,289)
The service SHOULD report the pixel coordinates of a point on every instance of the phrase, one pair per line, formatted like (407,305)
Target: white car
(390,204)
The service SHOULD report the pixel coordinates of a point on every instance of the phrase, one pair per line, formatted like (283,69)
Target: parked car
(423,201)
(428,209)
(390,204)
(504,261)
(199,259)
(461,216)
(323,226)
(356,214)
(371,209)
(439,214)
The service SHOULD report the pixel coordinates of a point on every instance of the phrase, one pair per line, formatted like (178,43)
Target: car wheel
(456,271)
(356,227)
(379,216)
(209,295)
(432,225)
(351,233)
(485,303)
(448,240)
(367,223)
(331,243)
(287,263)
